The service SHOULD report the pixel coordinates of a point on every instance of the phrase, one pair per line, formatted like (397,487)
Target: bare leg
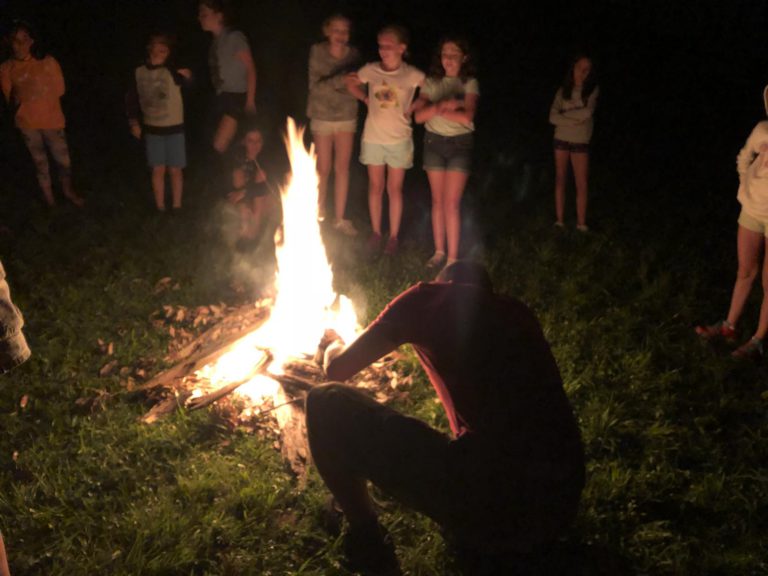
(580,163)
(4,569)
(762,326)
(561,177)
(454,189)
(343,143)
(376,175)
(225,132)
(324,148)
(328,432)
(177,184)
(395,178)
(437,185)
(158,186)
(748,248)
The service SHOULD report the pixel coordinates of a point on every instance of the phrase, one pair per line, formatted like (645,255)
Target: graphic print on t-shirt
(386,95)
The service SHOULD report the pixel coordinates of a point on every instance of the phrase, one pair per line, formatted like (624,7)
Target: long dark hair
(467,69)
(589,84)
(37,50)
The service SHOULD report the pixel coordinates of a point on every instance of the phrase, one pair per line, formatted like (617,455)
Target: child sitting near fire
(249,191)
(156,98)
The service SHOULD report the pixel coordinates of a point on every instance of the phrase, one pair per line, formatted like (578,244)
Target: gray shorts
(448,153)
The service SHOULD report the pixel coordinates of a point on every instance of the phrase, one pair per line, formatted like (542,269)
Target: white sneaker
(345,227)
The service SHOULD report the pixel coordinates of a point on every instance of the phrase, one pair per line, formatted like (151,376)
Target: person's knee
(322,400)
(747,272)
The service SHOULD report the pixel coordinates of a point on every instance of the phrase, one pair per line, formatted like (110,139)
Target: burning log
(208,399)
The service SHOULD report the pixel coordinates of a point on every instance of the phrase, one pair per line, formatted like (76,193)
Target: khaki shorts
(328,128)
(753,224)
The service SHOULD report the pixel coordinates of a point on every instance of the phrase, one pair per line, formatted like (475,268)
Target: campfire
(262,358)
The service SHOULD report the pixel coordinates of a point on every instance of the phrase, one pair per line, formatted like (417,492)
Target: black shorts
(481,496)
(572,147)
(230,104)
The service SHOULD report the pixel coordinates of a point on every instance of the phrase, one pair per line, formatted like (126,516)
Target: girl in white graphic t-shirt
(387,145)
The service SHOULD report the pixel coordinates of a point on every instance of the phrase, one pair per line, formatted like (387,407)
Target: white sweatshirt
(752,165)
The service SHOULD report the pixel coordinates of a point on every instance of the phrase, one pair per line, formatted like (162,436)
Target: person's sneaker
(750,350)
(373,244)
(437,260)
(345,227)
(582,228)
(722,330)
(559,225)
(391,248)
(370,552)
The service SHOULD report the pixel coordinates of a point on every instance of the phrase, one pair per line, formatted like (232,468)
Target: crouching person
(510,477)
(13,351)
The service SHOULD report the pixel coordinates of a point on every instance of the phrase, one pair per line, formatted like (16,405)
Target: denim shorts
(572,147)
(399,155)
(166,150)
(448,153)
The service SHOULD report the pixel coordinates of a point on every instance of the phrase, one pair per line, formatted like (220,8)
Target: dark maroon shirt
(489,363)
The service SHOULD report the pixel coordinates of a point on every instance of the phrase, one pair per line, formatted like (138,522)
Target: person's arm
(57,78)
(586,112)
(463,113)
(250,69)
(371,345)
(239,181)
(314,73)
(355,87)
(747,153)
(132,109)
(424,109)
(556,115)
(5,82)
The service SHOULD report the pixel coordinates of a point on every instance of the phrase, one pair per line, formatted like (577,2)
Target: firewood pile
(199,337)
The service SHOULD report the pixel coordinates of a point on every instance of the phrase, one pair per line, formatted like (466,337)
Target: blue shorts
(166,150)
(448,153)
(399,155)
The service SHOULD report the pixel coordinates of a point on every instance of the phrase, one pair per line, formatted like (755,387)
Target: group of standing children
(394,93)
(156,113)
(389,87)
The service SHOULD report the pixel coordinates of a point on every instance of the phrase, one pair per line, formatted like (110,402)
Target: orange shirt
(35,86)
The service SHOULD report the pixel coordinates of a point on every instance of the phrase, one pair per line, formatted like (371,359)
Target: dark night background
(680,82)
(677,433)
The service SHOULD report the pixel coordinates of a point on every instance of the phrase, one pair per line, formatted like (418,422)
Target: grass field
(676,434)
